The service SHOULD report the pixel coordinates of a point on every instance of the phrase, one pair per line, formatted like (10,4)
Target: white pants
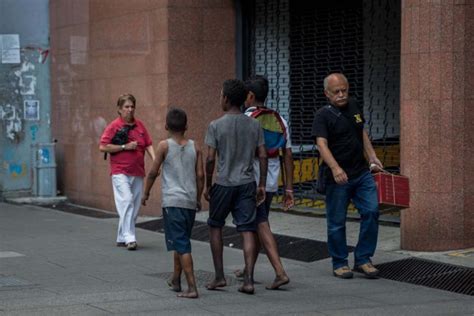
(127,194)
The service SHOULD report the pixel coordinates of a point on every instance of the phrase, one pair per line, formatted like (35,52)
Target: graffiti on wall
(26,78)
(17,170)
(11,117)
(42,53)
(44,155)
(18,85)
(13,166)
(33,130)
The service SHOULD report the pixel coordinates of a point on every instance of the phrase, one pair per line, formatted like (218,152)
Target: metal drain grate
(295,248)
(431,274)
(79,210)
(202,277)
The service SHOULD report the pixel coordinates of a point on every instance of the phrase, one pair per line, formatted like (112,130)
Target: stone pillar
(201,55)
(437,129)
(165,52)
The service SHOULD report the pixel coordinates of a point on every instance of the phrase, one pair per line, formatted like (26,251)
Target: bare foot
(247,289)
(279,281)
(188,294)
(239,273)
(175,285)
(213,285)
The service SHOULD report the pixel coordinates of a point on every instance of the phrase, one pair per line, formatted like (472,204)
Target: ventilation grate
(80,210)
(431,274)
(295,248)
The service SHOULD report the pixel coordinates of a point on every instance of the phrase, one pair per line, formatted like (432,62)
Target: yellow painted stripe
(307,169)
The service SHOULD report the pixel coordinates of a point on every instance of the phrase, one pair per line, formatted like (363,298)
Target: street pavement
(57,263)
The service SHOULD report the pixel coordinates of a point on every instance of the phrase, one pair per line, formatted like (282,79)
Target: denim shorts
(178,226)
(263,210)
(239,200)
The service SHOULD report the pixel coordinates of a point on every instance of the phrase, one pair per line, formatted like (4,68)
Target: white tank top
(178,180)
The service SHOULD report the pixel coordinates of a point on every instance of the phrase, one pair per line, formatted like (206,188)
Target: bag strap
(338,114)
(333,110)
(280,120)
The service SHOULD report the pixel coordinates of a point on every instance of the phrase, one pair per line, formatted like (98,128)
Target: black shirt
(342,127)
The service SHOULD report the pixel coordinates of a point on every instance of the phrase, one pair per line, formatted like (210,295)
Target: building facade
(409,63)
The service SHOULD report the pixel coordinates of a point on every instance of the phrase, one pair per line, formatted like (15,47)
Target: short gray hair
(340,75)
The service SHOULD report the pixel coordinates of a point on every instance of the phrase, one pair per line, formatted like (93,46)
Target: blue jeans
(363,193)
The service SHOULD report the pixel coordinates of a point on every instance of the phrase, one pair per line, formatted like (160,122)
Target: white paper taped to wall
(10,48)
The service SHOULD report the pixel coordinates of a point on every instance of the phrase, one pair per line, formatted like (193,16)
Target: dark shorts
(239,200)
(263,210)
(178,226)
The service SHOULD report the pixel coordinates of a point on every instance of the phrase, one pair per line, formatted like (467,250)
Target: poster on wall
(31,110)
(78,45)
(10,48)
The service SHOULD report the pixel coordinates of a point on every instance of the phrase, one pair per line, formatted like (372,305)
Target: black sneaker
(121,244)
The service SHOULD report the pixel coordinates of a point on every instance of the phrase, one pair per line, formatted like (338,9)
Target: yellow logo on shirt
(358,118)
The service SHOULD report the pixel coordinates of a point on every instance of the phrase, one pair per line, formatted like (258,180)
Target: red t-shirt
(128,162)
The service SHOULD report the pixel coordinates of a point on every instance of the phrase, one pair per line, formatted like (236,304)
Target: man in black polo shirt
(342,142)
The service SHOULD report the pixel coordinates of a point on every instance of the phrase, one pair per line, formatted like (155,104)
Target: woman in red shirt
(127,167)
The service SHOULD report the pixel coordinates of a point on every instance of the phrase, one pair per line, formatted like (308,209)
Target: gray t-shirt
(235,138)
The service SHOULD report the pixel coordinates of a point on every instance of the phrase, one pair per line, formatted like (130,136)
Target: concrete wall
(20,82)
(166,53)
(437,134)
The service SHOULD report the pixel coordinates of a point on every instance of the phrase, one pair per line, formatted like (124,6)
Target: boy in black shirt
(342,142)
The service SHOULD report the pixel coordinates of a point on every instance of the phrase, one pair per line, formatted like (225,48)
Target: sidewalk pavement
(56,263)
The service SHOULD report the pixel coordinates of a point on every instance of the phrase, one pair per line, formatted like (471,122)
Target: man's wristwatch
(123,147)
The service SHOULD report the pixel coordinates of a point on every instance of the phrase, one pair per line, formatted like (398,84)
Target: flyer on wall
(31,110)
(10,48)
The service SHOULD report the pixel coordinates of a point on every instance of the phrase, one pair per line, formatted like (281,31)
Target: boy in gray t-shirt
(234,138)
